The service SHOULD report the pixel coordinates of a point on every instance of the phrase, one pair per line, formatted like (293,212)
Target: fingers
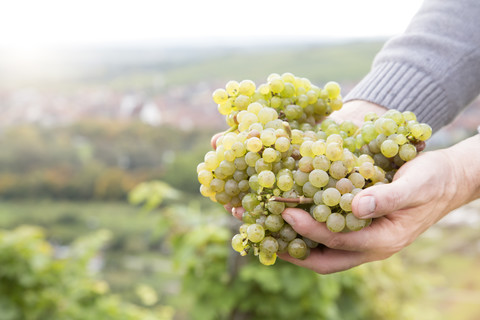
(214,139)
(237,212)
(304,224)
(384,199)
(326,260)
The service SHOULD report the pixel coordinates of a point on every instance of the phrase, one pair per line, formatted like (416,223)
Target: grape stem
(299,200)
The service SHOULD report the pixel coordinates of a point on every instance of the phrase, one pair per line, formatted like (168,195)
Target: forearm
(431,69)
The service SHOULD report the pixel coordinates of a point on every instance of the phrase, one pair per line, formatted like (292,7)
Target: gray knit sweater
(433,68)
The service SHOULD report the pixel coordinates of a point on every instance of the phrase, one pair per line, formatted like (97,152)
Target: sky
(37,24)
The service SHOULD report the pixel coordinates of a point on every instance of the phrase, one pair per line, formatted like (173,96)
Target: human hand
(423,191)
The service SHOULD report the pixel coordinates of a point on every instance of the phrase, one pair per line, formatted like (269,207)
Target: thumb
(383,199)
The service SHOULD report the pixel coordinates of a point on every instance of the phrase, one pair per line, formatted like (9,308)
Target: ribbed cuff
(398,86)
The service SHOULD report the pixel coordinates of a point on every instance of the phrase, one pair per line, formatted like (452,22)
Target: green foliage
(219,284)
(35,284)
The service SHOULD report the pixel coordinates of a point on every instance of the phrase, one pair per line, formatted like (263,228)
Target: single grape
(255,233)
(336,222)
(266,179)
(297,248)
(355,224)
(331,197)
(321,212)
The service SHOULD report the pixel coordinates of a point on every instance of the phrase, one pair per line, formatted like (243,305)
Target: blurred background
(105,112)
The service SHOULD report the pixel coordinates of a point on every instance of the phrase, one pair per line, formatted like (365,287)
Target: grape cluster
(282,150)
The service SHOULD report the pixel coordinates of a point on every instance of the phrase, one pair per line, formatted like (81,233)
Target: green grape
(268,137)
(220,96)
(269,245)
(275,207)
(355,224)
(276,85)
(262,165)
(251,158)
(426,132)
(300,177)
(266,115)
(344,185)
(247,87)
(368,132)
(282,144)
(227,167)
(254,107)
(358,181)
(338,170)
(205,177)
(255,233)
(367,170)
(266,258)
(318,178)
(225,108)
(274,222)
(321,162)
(317,197)
(269,155)
(231,187)
(335,222)
(241,102)
(243,185)
(333,89)
(336,104)
(334,151)
(266,179)
(248,218)
(321,212)
(206,191)
(287,233)
(306,149)
(211,161)
(285,182)
(389,148)
(253,183)
(319,147)
(305,164)
(250,201)
(223,197)
(309,189)
(238,243)
(331,197)
(297,248)
(346,201)
(232,88)
(217,185)
(407,152)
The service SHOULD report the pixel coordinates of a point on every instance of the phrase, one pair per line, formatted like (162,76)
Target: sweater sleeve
(433,68)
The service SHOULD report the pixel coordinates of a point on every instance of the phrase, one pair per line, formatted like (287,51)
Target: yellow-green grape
(269,155)
(370,116)
(276,85)
(264,89)
(426,132)
(297,136)
(335,222)
(367,170)
(416,130)
(266,179)
(238,243)
(321,212)
(318,147)
(247,87)
(399,139)
(333,89)
(225,108)
(409,116)
(321,162)
(268,137)
(297,248)
(269,245)
(300,177)
(220,96)
(334,151)
(365,158)
(368,132)
(267,114)
(211,161)
(227,167)
(254,107)
(238,149)
(285,182)
(206,191)
(389,148)
(355,224)
(344,185)
(251,158)
(407,152)
(217,185)
(357,180)
(282,144)
(395,115)
(266,258)
(306,149)
(262,165)
(232,88)
(346,201)
(253,183)
(318,178)
(274,222)
(388,126)
(338,170)
(223,198)
(305,164)
(205,177)
(241,102)
(331,197)
(287,233)
(201,166)
(255,233)
(336,104)
(254,144)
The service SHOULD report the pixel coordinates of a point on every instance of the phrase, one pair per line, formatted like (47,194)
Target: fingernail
(234,211)
(366,206)
(289,219)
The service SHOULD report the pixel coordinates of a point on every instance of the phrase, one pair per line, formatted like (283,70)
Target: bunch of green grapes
(282,151)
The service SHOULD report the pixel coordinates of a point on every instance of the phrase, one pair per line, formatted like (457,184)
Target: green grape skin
(266,258)
(321,212)
(250,201)
(338,170)
(331,197)
(238,243)
(266,179)
(274,222)
(318,178)
(355,224)
(389,148)
(335,222)
(269,245)
(255,233)
(407,152)
(275,207)
(310,243)
(298,249)
(286,233)
(346,201)
(285,182)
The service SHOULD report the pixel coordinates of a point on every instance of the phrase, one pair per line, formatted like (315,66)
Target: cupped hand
(423,191)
